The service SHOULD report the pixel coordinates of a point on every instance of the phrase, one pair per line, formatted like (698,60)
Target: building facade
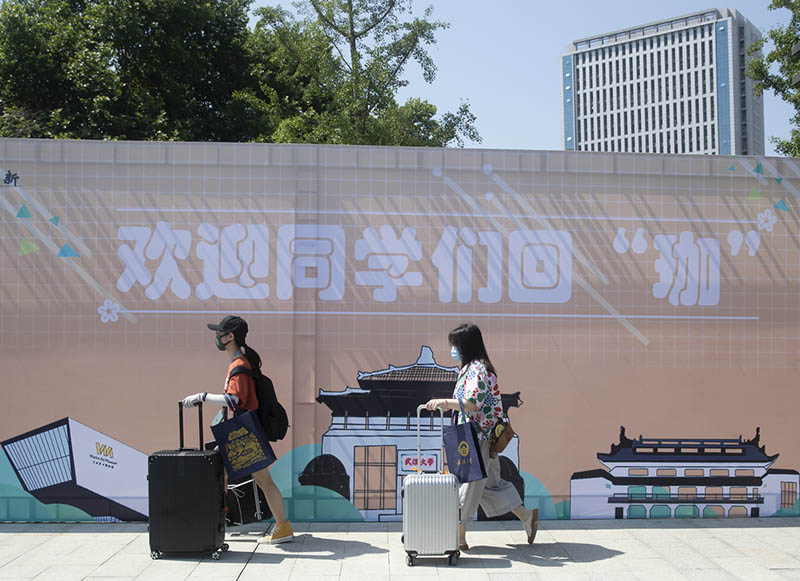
(684,478)
(672,86)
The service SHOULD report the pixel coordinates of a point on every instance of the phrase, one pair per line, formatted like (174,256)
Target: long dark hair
(468,340)
(251,354)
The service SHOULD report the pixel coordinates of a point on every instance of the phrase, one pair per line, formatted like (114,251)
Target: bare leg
(462,534)
(272,494)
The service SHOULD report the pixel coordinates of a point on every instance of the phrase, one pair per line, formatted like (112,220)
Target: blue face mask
(454,353)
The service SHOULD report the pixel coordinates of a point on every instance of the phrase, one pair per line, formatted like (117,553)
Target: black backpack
(270,412)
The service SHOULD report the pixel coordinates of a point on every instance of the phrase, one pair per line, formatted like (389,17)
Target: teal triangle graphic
(759,169)
(732,168)
(24,212)
(26,247)
(781,206)
(54,220)
(778,180)
(67,252)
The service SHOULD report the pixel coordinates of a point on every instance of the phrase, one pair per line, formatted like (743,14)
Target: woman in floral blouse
(479,391)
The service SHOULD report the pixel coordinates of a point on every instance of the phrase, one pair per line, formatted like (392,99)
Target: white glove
(192,400)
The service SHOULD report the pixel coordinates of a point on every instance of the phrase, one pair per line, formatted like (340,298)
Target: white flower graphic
(108,311)
(766,220)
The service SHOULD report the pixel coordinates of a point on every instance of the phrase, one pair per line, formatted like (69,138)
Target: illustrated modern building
(674,478)
(372,440)
(69,463)
(672,86)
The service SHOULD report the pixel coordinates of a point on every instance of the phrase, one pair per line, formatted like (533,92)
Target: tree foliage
(762,70)
(192,70)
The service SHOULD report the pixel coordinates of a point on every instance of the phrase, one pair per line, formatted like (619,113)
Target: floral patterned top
(477,385)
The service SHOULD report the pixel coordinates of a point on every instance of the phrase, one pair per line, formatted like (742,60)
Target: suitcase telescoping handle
(199,423)
(419,436)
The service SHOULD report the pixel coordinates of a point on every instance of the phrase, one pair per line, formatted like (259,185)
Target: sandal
(463,547)
(534,525)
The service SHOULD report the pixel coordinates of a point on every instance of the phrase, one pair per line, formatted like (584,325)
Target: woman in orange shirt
(239,394)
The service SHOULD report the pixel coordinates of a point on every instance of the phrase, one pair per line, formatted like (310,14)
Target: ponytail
(252,356)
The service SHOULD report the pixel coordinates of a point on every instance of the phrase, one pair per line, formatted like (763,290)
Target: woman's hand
(434,404)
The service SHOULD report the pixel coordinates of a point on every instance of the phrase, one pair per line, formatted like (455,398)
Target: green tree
(762,70)
(193,71)
(294,80)
(370,43)
(151,69)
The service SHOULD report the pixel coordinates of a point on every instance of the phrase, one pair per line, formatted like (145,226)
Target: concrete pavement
(703,549)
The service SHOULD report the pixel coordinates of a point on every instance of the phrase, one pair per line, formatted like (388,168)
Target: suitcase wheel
(155,554)
(410,560)
(225,547)
(452,558)
(216,554)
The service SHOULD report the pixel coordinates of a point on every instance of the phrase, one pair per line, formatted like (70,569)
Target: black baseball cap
(230,324)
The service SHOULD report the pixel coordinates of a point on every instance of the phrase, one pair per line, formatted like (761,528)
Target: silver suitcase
(430,510)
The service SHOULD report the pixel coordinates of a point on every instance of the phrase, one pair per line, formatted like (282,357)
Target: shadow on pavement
(305,546)
(539,554)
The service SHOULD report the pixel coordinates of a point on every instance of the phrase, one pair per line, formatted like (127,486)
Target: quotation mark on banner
(752,239)
(638,244)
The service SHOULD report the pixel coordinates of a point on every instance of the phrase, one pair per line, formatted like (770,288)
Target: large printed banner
(657,293)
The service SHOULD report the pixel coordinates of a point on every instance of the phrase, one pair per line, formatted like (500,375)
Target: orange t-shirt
(242,385)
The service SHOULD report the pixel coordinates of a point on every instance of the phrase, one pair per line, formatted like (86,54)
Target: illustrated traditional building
(664,478)
(372,440)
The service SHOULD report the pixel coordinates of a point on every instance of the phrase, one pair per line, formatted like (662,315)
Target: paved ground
(748,549)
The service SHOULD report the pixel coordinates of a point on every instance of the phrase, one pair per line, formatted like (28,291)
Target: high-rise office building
(672,86)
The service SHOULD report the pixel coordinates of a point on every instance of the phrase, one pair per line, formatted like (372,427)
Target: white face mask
(455,354)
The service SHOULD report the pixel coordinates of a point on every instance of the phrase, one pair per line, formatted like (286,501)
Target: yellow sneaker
(282,533)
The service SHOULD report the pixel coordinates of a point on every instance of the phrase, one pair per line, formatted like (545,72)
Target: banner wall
(654,292)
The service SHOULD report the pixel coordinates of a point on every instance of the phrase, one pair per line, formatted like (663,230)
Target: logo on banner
(103,450)
(409,461)
(104,456)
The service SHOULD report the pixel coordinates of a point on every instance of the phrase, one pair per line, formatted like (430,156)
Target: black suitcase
(186,499)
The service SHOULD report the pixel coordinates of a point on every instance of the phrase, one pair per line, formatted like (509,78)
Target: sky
(504,58)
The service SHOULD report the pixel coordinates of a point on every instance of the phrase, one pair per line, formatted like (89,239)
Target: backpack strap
(236,371)
(242,369)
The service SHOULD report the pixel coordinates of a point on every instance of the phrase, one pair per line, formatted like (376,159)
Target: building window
(714,511)
(721,472)
(788,494)
(738,493)
(637,492)
(687,492)
(667,472)
(375,481)
(660,511)
(661,492)
(737,512)
(687,512)
(637,471)
(714,493)
(637,511)
(744,472)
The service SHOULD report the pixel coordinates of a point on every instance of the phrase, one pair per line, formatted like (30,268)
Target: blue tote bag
(463,451)
(243,444)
